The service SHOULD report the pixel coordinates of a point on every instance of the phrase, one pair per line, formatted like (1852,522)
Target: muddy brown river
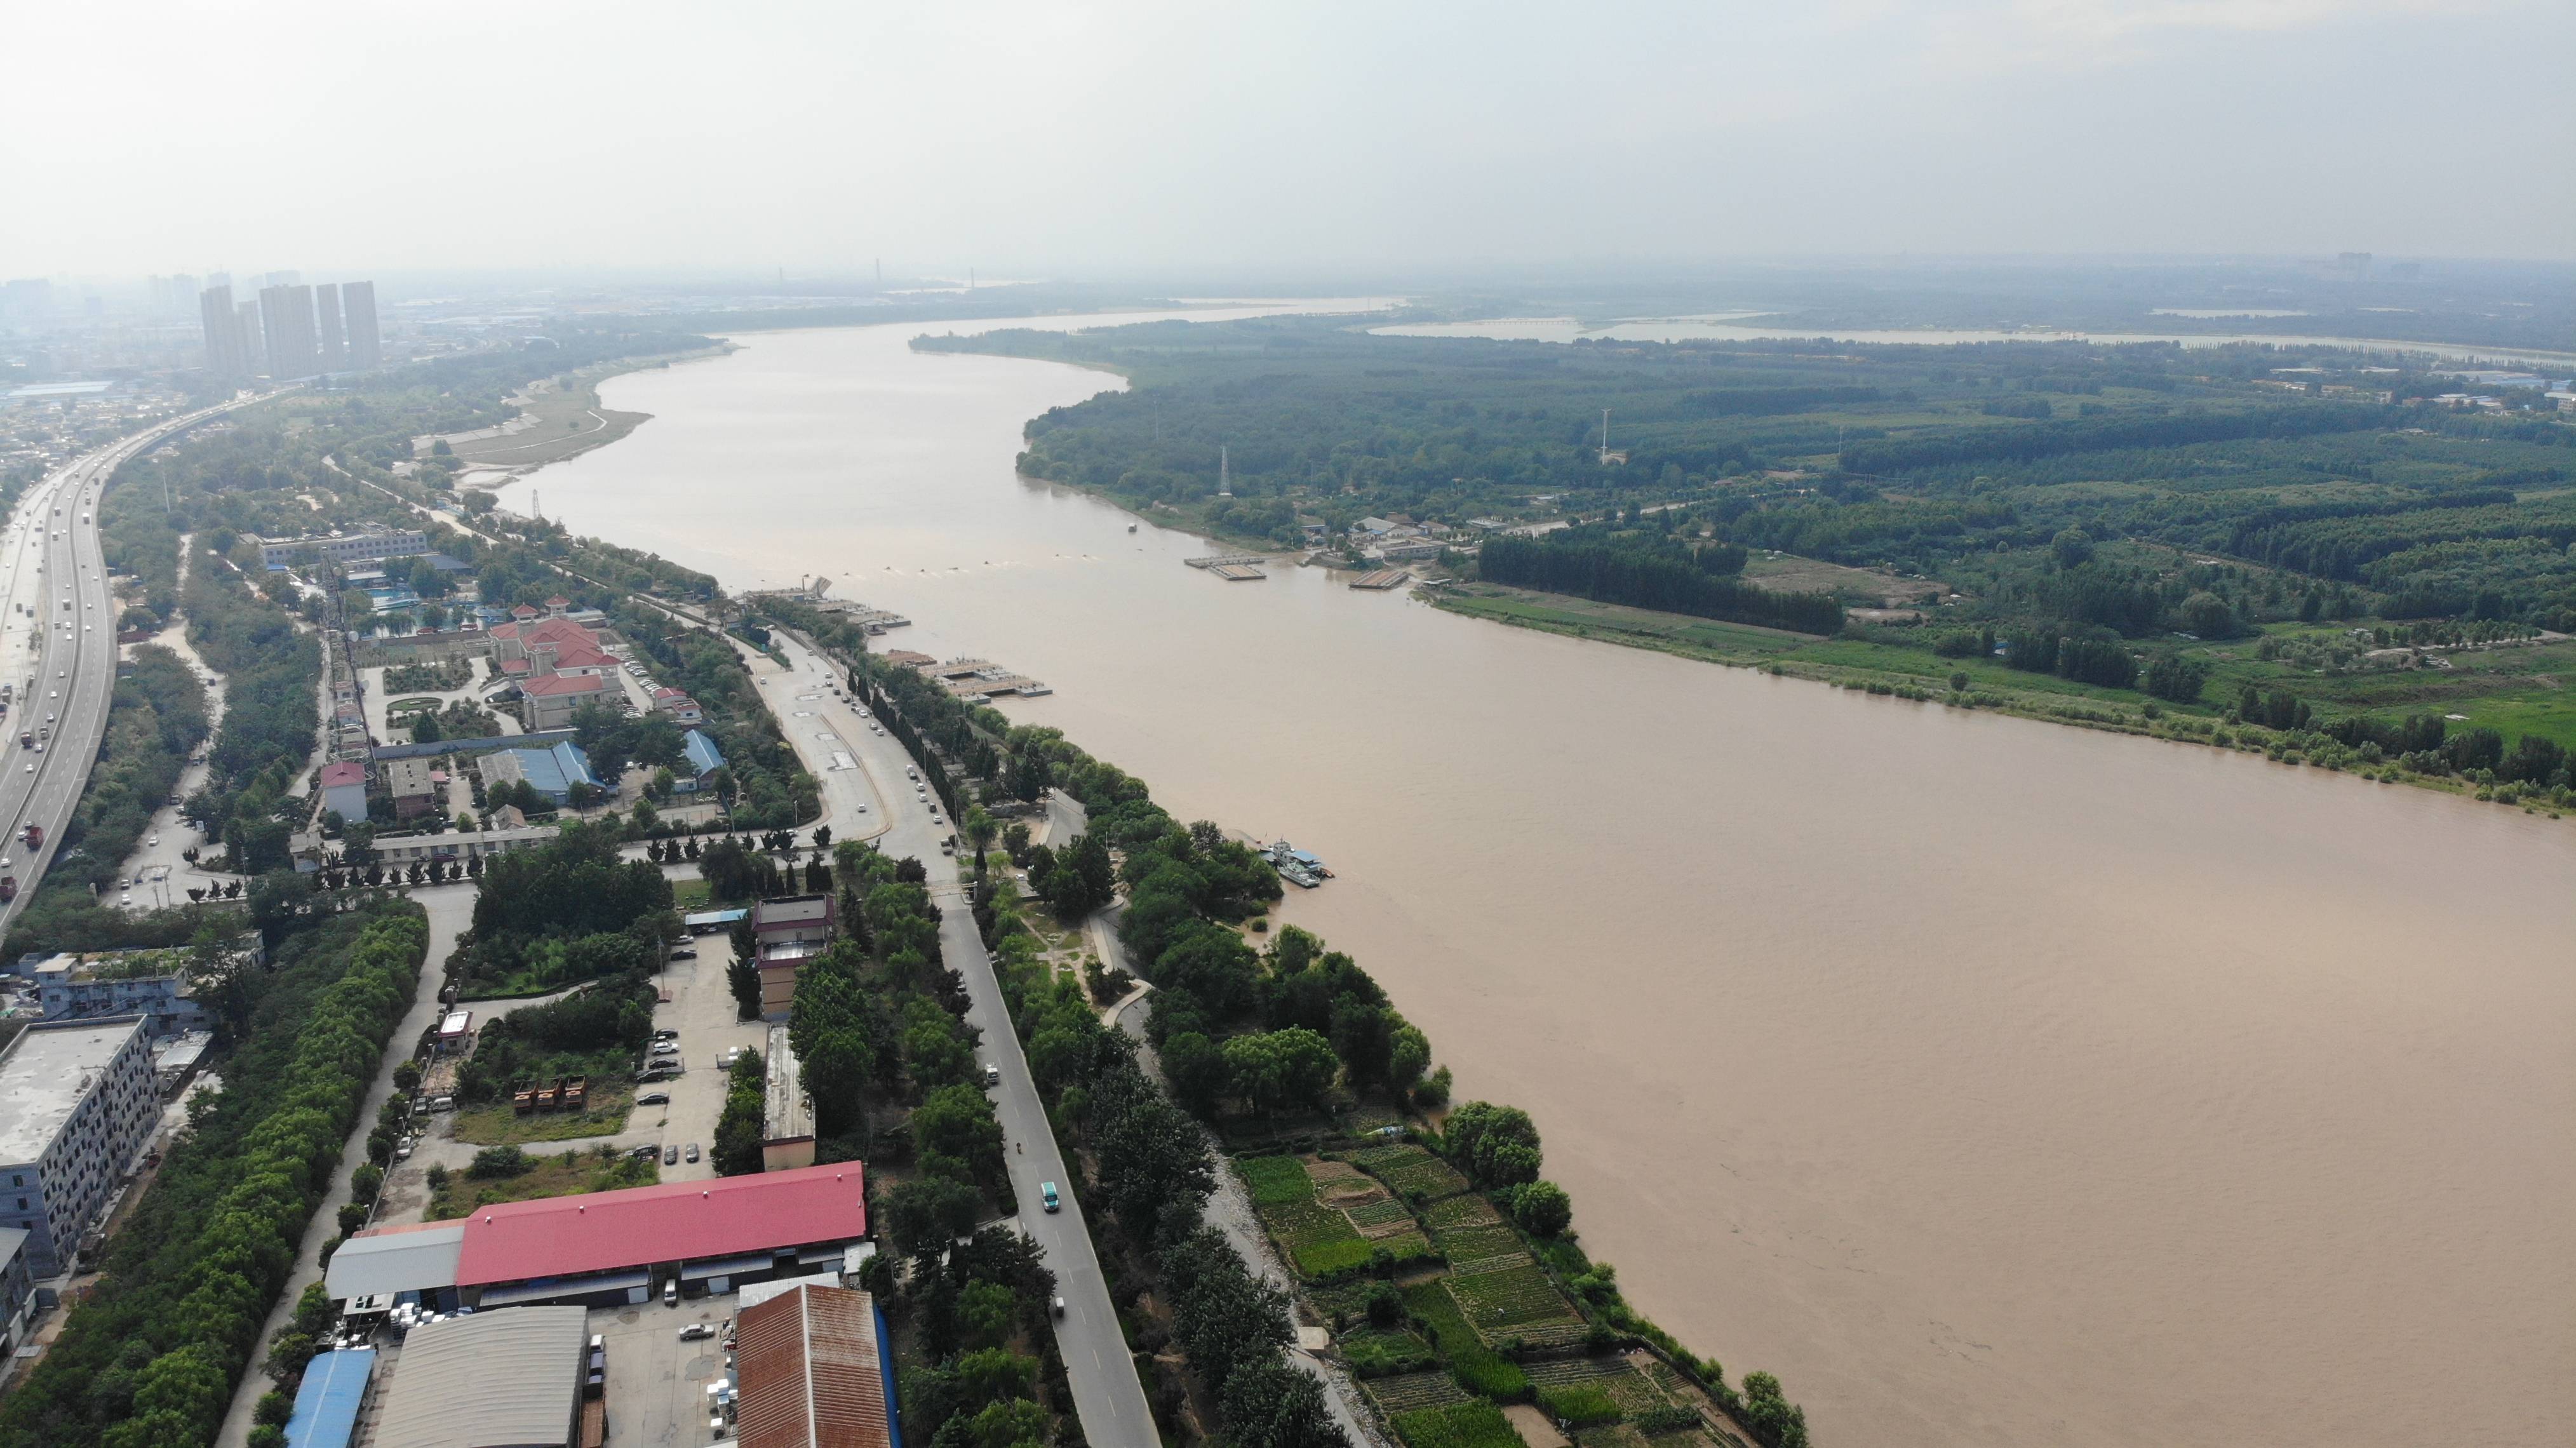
(1994,1083)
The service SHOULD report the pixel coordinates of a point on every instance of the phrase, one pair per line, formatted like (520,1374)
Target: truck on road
(34,835)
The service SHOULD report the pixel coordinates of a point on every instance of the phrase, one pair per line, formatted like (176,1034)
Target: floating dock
(1237,572)
(977,681)
(1226,560)
(1383,578)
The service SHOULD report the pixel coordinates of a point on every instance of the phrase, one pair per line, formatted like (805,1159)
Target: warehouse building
(368,545)
(77,1103)
(491,1380)
(614,1249)
(328,1401)
(812,1371)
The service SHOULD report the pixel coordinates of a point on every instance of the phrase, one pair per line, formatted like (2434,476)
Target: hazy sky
(1069,138)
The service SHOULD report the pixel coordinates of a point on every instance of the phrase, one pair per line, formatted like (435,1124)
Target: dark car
(670,1156)
(684,953)
(654,1098)
(645,1153)
(692,1152)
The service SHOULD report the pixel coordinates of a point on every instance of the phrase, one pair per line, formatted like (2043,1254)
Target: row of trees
(1650,579)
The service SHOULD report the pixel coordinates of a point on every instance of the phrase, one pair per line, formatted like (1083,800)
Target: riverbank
(1982,683)
(558,418)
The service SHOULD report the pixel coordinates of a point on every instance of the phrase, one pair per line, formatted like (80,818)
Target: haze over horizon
(1047,140)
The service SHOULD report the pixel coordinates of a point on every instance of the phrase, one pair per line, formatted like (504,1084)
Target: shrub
(274,1407)
(1542,1209)
(494,1162)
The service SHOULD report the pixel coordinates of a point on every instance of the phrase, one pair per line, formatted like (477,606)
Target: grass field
(567,1175)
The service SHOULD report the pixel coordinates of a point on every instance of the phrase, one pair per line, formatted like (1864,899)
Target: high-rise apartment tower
(286,319)
(358,308)
(326,313)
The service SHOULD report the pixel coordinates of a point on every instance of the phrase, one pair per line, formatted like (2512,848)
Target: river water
(1992,1082)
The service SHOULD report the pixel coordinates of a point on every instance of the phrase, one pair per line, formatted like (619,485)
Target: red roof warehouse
(617,1246)
(606,1231)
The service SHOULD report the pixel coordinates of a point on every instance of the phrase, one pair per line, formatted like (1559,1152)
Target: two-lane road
(55,591)
(1106,1392)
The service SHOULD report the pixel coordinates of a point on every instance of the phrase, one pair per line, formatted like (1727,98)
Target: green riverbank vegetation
(2303,551)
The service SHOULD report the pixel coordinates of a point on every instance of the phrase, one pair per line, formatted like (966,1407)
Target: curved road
(59,647)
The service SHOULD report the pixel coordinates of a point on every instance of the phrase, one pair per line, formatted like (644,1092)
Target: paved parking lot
(701,1009)
(657,1384)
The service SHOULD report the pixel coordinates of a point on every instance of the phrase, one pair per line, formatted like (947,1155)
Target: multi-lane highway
(58,648)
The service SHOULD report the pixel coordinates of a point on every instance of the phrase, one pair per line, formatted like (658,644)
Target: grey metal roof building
(493,1380)
(421,1259)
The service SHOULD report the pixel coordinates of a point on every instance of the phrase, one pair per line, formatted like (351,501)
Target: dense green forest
(2147,523)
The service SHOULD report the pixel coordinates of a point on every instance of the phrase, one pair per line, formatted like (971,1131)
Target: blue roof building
(326,1407)
(699,758)
(551,771)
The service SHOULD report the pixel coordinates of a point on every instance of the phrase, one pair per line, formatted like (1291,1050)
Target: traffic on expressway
(57,653)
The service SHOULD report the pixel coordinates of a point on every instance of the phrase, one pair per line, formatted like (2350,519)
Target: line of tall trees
(1651,579)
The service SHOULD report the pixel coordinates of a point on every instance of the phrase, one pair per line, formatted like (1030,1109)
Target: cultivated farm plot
(1461,1212)
(1409,1168)
(1470,1244)
(1464,1425)
(1318,1239)
(1414,1391)
(1511,1302)
(1613,1375)
(1384,1217)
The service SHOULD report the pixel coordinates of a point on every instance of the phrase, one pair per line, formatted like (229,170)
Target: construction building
(100,986)
(77,1104)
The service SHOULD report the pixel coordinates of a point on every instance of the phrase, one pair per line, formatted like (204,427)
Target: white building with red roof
(548,701)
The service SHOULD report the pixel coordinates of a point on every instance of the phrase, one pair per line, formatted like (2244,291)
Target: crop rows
(1461,1213)
(1476,1266)
(1465,1244)
(1409,1168)
(1463,1425)
(1414,1391)
(1501,1302)
(1378,1213)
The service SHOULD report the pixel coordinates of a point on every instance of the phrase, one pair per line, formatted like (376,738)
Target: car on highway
(1046,1194)
(671,1155)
